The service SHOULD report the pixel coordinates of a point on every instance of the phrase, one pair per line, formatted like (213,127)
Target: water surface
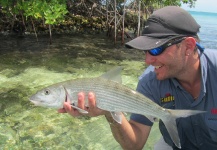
(28,65)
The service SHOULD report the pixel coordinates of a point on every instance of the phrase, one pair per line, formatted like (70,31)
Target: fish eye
(47,92)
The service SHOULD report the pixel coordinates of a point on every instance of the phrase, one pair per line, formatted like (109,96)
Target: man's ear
(190,45)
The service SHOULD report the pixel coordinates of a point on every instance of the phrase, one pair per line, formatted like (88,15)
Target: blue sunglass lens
(156,51)
(159,50)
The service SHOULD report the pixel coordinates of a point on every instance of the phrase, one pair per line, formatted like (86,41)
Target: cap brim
(148,43)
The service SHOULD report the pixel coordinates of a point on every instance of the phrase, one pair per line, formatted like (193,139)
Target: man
(182,75)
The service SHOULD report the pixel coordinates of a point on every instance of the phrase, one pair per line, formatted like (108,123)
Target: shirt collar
(203,66)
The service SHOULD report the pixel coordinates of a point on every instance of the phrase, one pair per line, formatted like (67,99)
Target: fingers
(81,100)
(61,110)
(91,109)
(91,100)
(67,108)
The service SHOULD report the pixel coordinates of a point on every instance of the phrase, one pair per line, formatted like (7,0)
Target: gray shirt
(198,131)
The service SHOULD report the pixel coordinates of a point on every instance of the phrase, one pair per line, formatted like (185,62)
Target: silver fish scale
(113,96)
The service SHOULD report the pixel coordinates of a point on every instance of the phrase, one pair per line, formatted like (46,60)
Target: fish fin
(67,99)
(113,74)
(117,116)
(79,109)
(170,122)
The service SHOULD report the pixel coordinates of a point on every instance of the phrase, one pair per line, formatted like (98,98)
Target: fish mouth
(34,102)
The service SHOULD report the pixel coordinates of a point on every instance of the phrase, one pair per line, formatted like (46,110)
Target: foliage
(179,2)
(32,8)
(52,11)
(55,11)
(58,12)
(190,2)
(9,7)
(169,2)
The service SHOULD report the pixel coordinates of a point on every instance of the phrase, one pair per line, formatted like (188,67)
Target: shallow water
(28,65)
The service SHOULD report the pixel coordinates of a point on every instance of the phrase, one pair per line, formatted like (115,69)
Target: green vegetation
(35,16)
(50,11)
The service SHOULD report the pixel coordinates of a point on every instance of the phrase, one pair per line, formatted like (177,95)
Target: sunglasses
(157,51)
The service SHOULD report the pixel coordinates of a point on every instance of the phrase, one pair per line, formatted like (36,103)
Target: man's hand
(92,109)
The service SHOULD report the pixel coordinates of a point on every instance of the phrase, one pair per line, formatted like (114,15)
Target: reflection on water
(28,65)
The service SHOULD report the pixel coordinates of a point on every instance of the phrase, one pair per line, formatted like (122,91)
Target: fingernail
(80,96)
(91,95)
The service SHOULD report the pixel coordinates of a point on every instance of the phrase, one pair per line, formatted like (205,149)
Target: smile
(157,67)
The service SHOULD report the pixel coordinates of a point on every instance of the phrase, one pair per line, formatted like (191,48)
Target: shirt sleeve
(141,119)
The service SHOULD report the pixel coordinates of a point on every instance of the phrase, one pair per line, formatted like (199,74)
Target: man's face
(169,64)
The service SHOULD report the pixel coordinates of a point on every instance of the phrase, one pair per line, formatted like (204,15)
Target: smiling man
(182,75)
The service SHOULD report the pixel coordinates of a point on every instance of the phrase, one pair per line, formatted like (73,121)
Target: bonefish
(111,96)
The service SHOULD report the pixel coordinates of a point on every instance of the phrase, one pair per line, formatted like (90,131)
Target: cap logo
(146,26)
(169,44)
(157,42)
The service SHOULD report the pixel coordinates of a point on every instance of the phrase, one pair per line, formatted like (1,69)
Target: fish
(113,96)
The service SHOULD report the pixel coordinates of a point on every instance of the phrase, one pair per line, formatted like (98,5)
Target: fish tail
(170,122)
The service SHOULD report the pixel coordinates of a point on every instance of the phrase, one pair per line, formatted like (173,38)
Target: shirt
(197,132)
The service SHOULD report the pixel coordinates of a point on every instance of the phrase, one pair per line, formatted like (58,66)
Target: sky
(203,5)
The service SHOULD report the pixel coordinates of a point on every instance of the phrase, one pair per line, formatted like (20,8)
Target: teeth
(157,67)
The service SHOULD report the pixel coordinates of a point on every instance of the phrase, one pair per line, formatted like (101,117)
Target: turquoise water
(208,30)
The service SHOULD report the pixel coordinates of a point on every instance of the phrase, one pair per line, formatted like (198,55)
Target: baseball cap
(163,25)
